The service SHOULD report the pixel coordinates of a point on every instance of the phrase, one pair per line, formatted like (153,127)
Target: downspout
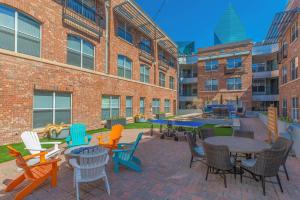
(107,31)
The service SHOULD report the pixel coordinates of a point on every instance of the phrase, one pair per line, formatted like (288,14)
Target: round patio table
(239,144)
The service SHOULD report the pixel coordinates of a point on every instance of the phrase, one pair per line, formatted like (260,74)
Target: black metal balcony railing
(238,70)
(145,53)
(163,63)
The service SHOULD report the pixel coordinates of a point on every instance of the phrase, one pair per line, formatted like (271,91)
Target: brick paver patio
(166,175)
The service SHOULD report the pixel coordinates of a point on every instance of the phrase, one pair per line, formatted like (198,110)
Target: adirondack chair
(124,155)
(35,175)
(34,146)
(111,140)
(78,136)
(91,167)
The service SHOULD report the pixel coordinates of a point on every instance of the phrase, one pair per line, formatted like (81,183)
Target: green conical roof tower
(229,29)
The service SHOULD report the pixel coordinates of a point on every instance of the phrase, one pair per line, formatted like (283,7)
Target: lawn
(220,131)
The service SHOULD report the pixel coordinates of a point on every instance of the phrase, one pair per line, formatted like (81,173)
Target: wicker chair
(196,151)
(219,161)
(266,165)
(289,144)
(243,133)
(206,132)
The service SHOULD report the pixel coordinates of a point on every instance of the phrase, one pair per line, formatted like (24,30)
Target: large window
(19,32)
(284,49)
(294,32)
(211,85)
(124,32)
(295,108)
(211,65)
(284,107)
(294,68)
(144,74)
(155,106)
(86,8)
(51,108)
(234,84)
(162,79)
(128,106)
(142,105)
(124,67)
(110,107)
(234,63)
(80,53)
(145,45)
(171,82)
(259,86)
(167,105)
(284,75)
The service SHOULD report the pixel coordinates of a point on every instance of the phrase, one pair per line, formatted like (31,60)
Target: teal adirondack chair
(124,155)
(78,136)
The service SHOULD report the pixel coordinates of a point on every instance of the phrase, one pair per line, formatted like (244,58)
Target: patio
(166,175)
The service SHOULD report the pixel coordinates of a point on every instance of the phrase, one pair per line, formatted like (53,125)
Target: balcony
(188,80)
(239,70)
(266,74)
(82,17)
(188,98)
(265,97)
(163,64)
(188,60)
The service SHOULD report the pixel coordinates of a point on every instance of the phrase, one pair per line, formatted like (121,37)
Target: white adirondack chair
(33,145)
(90,166)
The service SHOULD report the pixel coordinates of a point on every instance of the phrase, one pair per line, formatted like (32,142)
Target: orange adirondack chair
(111,139)
(36,174)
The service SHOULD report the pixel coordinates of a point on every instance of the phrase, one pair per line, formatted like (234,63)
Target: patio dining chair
(288,147)
(266,164)
(196,151)
(219,161)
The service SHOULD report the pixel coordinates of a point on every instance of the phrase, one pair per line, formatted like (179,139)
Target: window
(284,107)
(145,45)
(211,85)
(285,49)
(294,68)
(294,32)
(234,63)
(124,32)
(124,67)
(110,107)
(171,82)
(142,105)
(155,106)
(167,105)
(234,84)
(51,108)
(162,56)
(172,62)
(128,106)
(211,65)
(19,32)
(144,73)
(86,8)
(259,86)
(80,53)
(295,109)
(162,79)
(284,75)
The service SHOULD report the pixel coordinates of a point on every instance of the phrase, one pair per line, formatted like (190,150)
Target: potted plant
(115,120)
(57,131)
(160,115)
(139,118)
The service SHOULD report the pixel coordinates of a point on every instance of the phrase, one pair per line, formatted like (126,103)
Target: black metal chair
(219,161)
(288,144)
(196,151)
(266,164)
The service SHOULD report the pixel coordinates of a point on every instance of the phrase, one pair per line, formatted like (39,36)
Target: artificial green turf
(219,131)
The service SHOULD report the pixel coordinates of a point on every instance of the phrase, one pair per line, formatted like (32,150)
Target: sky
(195,20)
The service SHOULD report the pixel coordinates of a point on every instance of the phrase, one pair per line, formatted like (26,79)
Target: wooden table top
(239,144)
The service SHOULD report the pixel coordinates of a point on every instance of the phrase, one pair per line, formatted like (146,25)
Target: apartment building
(73,61)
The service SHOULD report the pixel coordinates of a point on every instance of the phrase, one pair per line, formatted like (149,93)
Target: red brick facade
(221,53)
(21,75)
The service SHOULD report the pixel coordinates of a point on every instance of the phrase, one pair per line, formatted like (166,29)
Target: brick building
(81,61)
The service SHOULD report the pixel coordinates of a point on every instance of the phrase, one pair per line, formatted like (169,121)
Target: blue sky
(185,20)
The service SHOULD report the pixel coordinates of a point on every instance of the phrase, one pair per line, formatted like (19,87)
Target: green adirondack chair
(78,136)
(124,155)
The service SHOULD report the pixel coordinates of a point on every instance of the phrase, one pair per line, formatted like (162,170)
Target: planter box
(63,134)
(160,116)
(141,120)
(111,122)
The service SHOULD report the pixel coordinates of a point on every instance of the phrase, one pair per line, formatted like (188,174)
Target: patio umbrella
(221,99)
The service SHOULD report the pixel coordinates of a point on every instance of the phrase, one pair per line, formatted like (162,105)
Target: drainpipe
(107,31)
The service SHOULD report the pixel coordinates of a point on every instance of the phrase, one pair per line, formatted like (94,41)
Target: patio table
(239,144)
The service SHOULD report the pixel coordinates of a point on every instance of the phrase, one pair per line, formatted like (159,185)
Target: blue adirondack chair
(78,136)
(124,155)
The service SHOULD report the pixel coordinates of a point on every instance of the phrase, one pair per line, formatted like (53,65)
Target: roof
(229,28)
